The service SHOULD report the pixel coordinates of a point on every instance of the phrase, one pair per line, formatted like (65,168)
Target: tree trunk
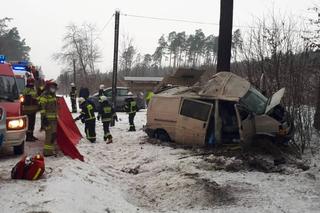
(316,122)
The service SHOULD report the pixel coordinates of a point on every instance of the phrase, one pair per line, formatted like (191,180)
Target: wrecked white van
(227,109)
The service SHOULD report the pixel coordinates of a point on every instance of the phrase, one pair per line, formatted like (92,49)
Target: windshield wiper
(7,98)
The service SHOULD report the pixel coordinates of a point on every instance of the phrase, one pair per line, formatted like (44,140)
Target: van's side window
(196,110)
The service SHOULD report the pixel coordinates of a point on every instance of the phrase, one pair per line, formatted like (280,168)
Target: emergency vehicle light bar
(2,59)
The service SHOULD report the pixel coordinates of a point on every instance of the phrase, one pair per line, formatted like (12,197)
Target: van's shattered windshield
(254,101)
(8,88)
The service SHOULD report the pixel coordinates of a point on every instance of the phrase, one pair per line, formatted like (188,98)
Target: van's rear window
(196,110)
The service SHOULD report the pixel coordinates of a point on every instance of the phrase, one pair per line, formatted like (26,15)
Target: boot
(109,141)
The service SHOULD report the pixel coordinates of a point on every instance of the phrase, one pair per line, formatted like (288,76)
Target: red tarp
(68,134)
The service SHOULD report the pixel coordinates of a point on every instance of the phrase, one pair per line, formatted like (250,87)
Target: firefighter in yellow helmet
(49,114)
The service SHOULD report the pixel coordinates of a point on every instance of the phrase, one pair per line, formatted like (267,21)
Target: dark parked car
(122,95)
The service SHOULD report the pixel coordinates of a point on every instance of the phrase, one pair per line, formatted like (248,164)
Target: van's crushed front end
(271,118)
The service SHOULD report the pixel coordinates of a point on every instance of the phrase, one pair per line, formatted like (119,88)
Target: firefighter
(131,108)
(101,90)
(88,118)
(30,107)
(149,96)
(106,113)
(73,97)
(49,115)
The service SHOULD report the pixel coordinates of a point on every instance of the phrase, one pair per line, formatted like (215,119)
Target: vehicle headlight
(16,124)
(21,98)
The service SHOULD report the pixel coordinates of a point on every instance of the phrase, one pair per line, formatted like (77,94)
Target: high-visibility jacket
(131,106)
(87,111)
(149,96)
(106,111)
(49,106)
(30,104)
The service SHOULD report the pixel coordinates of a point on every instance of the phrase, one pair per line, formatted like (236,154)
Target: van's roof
(226,86)
(223,85)
(6,70)
(181,91)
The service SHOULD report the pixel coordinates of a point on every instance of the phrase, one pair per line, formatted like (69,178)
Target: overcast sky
(42,22)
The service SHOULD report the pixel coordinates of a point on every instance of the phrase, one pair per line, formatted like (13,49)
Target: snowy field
(136,174)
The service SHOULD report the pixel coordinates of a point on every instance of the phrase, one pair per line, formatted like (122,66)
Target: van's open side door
(3,126)
(193,121)
(246,123)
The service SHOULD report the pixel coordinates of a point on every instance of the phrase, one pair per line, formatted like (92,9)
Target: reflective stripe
(37,174)
(89,119)
(88,135)
(106,119)
(48,147)
(106,109)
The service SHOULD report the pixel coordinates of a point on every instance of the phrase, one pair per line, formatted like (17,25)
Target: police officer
(106,113)
(88,118)
(30,107)
(131,108)
(73,97)
(49,114)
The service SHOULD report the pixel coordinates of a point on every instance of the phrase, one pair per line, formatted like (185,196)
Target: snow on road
(133,175)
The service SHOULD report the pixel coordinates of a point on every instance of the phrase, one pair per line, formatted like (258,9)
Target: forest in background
(11,44)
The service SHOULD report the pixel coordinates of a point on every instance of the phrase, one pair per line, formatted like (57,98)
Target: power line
(180,20)
(105,26)
(170,19)
(108,22)
(192,22)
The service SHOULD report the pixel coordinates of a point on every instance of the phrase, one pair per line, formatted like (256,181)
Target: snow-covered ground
(134,175)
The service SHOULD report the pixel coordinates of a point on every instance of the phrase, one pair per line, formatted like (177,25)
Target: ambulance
(11,111)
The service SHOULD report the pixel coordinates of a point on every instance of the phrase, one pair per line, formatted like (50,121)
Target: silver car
(122,95)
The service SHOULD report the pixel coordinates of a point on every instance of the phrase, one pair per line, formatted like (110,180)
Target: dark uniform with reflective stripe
(88,118)
(73,97)
(106,112)
(131,109)
(49,114)
(30,108)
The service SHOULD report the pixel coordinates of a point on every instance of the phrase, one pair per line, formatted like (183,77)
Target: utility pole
(115,59)
(74,71)
(225,35)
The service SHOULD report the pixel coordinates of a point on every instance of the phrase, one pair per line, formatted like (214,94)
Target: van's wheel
(162,135)
(19,150)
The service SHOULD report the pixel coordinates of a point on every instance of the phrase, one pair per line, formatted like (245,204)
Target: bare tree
(79,44)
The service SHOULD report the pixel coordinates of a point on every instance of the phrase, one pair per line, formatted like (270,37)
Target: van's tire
(162,135)
(19,150)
